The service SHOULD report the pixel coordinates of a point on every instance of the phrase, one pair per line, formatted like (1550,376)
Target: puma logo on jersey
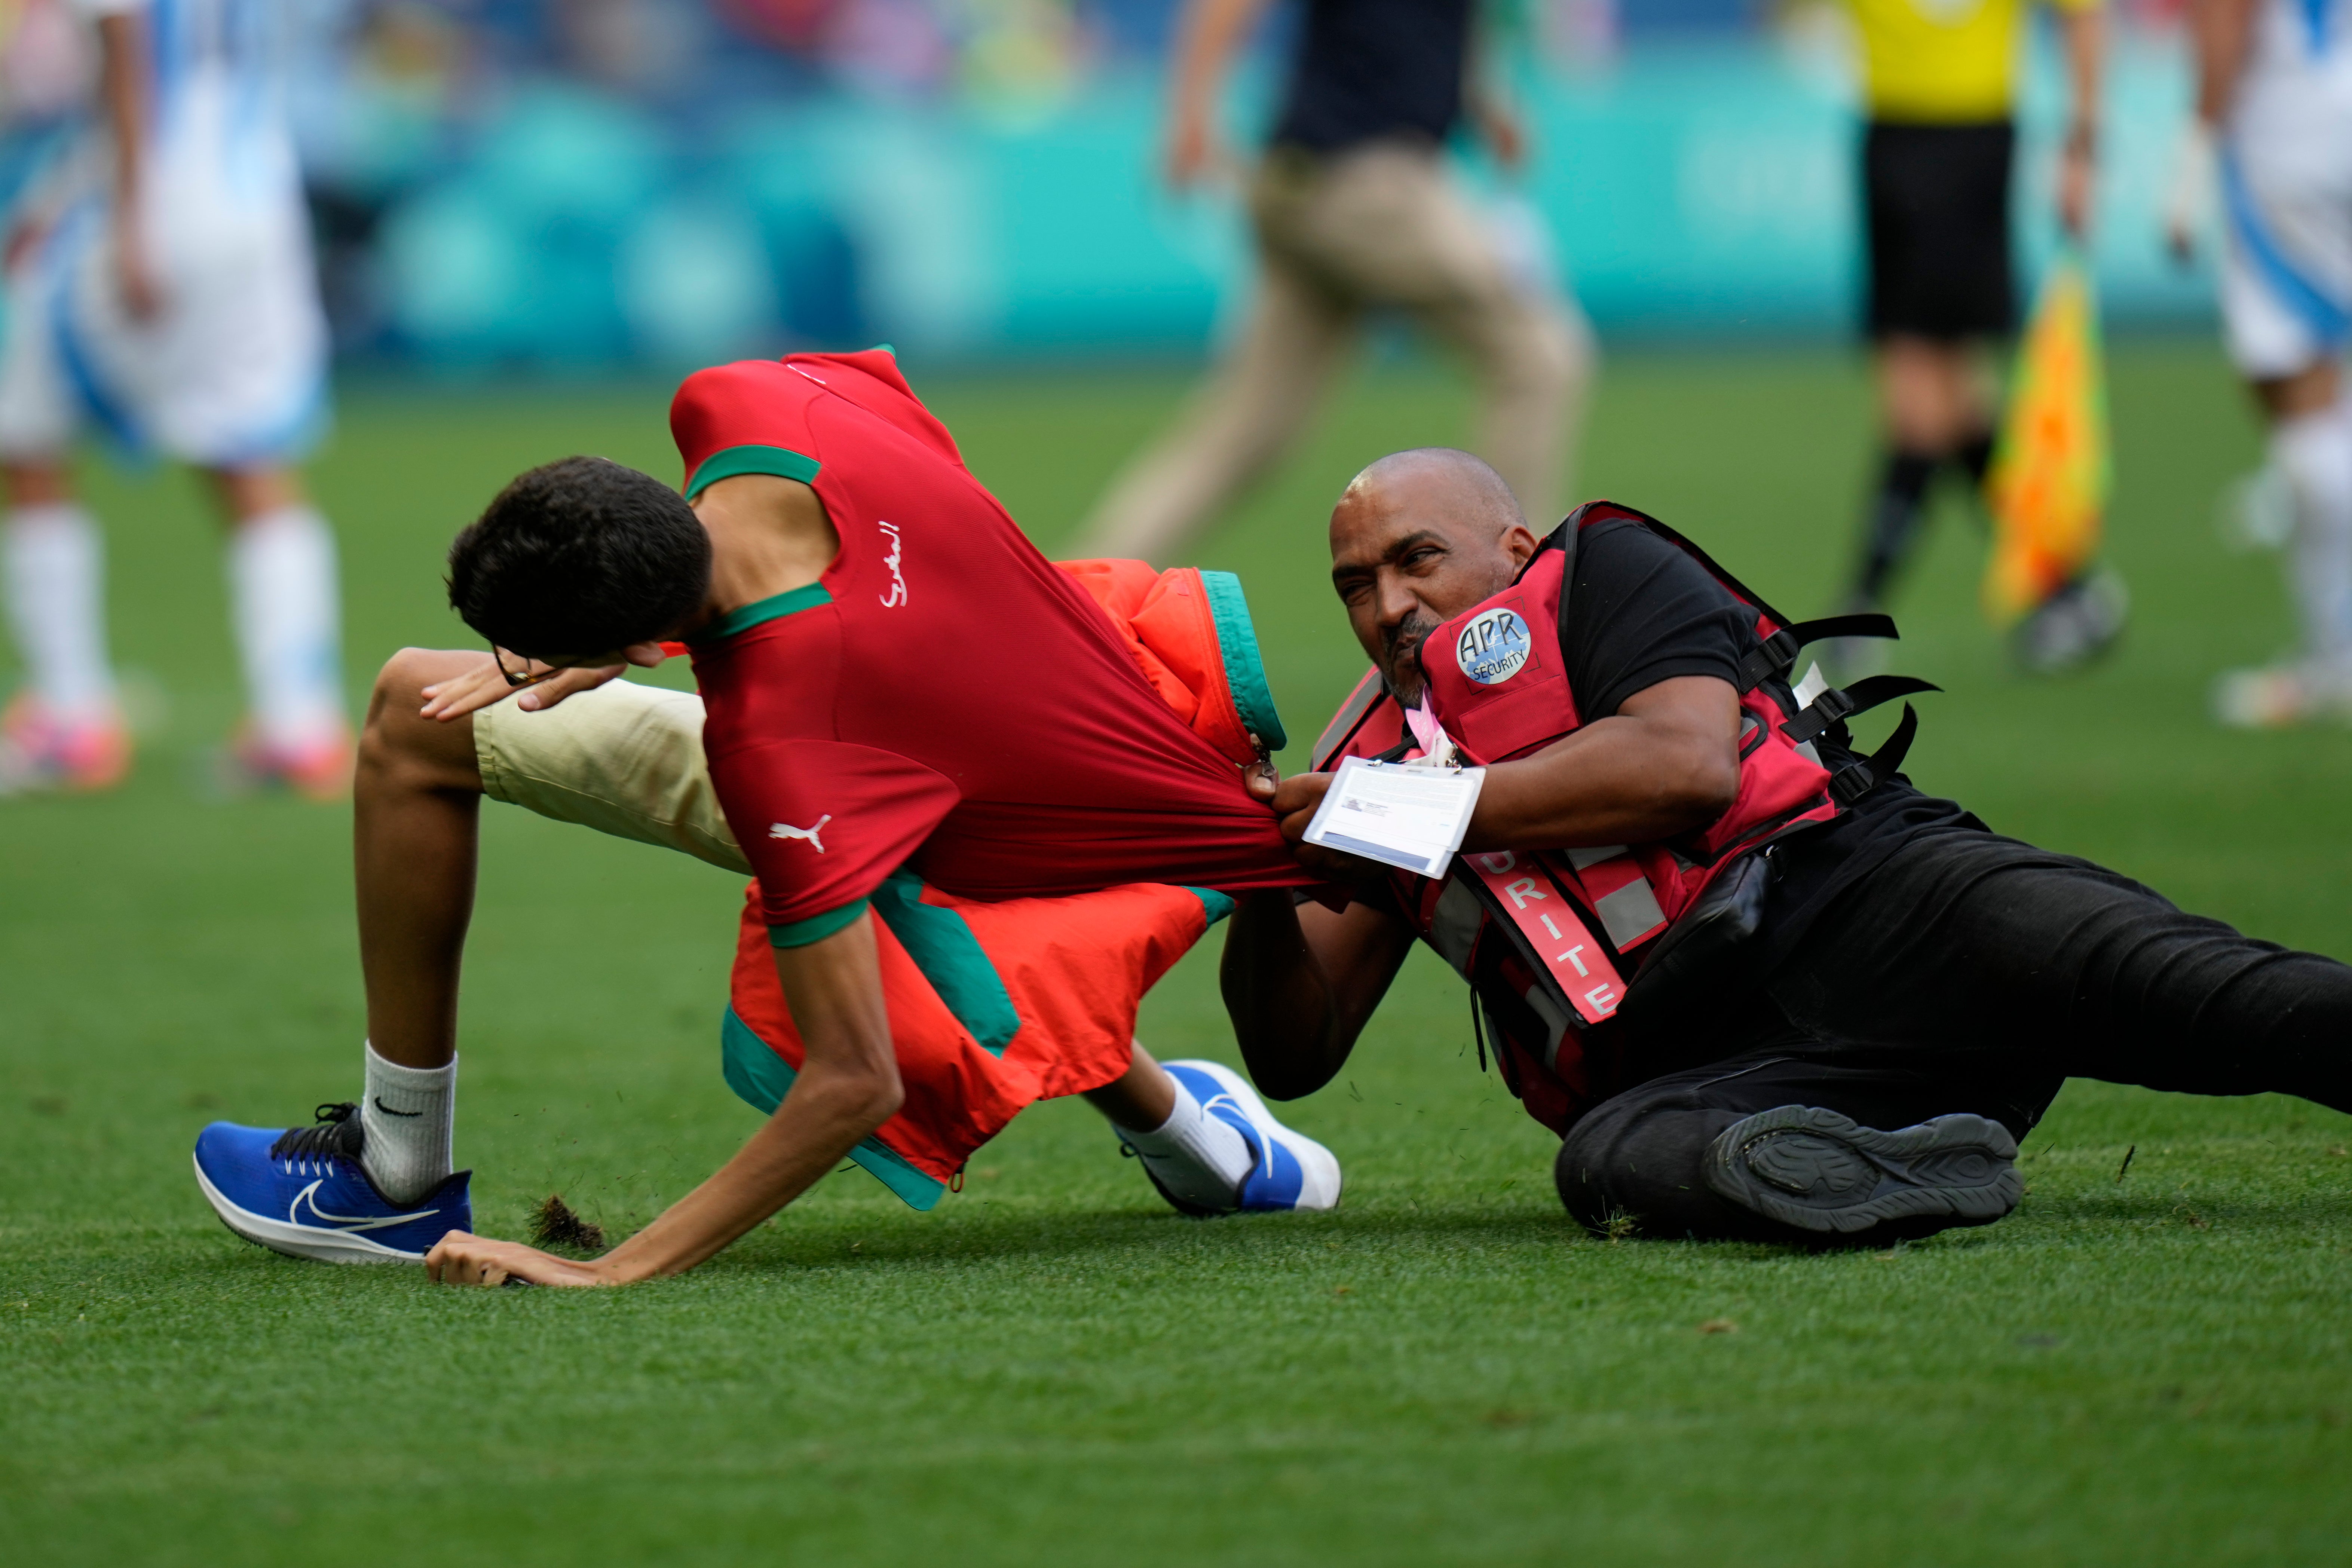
(786,830)
(898,593)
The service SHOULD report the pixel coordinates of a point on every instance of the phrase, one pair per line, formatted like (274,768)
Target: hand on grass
(459,1259)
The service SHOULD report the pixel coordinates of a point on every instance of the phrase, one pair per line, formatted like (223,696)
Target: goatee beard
(1400,666)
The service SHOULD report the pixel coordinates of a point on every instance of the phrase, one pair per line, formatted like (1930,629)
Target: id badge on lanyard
(1411,815)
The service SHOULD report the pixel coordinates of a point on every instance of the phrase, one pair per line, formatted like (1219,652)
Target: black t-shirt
(1370,68)
(1641,611)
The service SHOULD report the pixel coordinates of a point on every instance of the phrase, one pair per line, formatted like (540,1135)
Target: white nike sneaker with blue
(301,1191)
(1290,1171)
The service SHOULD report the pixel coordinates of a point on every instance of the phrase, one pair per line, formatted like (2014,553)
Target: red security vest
(1553,941)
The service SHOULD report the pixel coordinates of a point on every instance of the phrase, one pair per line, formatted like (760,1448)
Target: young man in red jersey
(896,684)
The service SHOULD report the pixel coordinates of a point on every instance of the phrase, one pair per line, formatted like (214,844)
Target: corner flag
(2047,490)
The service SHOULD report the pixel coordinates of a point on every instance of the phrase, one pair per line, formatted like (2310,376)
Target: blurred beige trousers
(1383,225)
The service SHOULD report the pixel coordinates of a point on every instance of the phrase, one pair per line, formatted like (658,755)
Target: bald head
(1447,480)
(1418,537)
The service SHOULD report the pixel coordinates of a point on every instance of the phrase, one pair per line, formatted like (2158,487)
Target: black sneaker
(1817,1170)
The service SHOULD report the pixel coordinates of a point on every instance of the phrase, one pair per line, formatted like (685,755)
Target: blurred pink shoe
(319,769)
(2282,697)
(40,751)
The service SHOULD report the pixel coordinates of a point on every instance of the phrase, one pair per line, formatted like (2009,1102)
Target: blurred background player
(160,286)
(1354,209)
(1940,88)
(2275,100)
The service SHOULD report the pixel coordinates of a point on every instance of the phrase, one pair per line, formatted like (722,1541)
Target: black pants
(1970,972)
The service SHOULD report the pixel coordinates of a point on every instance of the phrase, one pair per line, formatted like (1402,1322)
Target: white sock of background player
(1194,1156)
(57,607)
(2315,451)
(285,604)
(409,1115)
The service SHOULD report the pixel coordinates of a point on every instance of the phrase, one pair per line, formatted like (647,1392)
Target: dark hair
(581,556)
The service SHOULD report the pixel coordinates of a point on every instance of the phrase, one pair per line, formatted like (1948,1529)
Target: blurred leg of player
(173,302)
(63,729)
(284,606)
(1937,404)
(1404,228)
(1378,225)
(1237,424)
(2286,300)
(1937,198)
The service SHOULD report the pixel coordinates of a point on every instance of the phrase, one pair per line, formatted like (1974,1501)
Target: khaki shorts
(624,758)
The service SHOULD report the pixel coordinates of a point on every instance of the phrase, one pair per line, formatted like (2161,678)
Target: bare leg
(36,481)
(418,800)
(1934,394)
(2308,391)
(1237,424)
(1140,1099)
(247,493)
(1937,406)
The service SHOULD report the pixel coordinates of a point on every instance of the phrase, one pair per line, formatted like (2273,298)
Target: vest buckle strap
(1858,778)
(1777,654)
(1840,703)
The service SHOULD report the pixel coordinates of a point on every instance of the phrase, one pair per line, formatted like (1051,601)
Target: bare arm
(123,85)
(1300,983)
(1207,36)
(2219,31)
(848,1085)
(1666,762)
(2086,33)
(1488,102)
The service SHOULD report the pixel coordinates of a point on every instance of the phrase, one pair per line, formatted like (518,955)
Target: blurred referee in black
(1940,85)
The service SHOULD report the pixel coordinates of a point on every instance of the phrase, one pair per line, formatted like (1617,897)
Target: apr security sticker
(1492,646)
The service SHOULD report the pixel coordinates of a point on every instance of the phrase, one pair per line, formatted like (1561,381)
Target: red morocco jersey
(943,698)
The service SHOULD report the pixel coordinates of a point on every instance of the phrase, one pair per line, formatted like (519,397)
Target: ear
(1520,544)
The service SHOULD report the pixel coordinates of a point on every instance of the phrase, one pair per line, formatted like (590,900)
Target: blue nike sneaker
(300,1190)
(1291,1171)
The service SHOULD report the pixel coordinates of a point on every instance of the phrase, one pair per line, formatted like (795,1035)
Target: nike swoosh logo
(345,1221)
(388,1110)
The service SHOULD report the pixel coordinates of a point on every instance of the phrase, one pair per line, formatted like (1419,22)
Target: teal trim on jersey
(890,348)
(1245,670)
(942,946)
(761,1079)
(729,461)
(743,617)
(816,928)
(1213,904)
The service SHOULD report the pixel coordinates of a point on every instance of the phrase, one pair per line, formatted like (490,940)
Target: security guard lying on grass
(1762,986)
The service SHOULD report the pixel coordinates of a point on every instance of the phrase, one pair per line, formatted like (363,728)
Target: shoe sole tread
(1908,1184)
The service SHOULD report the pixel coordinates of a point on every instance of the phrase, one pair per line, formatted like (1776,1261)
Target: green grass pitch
(2155,1368)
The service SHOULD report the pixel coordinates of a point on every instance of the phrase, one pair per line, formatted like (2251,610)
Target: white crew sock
(57,607)
(410,1118)
(2315,451)
(1195,1156)
(281,575)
